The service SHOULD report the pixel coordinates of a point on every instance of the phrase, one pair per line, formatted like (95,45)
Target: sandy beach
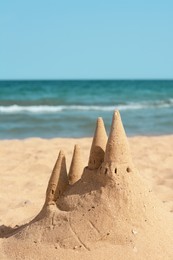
(26,166)
(86,130)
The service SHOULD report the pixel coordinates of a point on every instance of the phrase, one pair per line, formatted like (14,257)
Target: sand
(26,166)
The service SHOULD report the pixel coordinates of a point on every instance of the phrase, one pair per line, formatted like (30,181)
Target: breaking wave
(14,109)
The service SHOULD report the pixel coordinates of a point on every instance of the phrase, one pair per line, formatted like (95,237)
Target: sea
(69,108)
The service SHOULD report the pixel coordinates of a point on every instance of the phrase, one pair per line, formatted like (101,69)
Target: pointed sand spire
(117,149)
(58,180)
(76,167)
(98,145)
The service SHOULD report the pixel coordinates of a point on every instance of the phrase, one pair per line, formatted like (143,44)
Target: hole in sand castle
(115,170)
(106,171)
(128,169)
(52,191)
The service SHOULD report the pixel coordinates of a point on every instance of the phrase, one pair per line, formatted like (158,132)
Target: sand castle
(105,202)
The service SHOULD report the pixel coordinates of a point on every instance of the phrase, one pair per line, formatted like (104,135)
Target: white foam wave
(32,109)
(13,109)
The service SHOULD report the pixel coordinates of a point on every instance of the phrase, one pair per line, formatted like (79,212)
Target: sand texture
(105,199)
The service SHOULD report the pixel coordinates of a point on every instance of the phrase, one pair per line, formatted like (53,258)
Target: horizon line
(88,79)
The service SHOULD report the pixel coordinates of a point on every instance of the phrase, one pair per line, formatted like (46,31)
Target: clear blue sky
(67,39)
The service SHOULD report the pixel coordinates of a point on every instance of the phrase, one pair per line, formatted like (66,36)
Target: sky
(93,39)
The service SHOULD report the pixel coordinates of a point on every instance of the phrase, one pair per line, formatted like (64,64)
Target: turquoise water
(70,108)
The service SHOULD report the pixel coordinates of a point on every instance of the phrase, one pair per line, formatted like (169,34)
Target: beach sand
(26,165)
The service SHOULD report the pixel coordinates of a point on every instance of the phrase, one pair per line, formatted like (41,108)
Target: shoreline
(84,137)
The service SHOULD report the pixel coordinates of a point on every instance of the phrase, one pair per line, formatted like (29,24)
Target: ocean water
(69,108)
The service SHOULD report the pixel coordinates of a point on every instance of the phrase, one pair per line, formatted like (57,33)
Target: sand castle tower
(106,201)
(98,146)
(76,166)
